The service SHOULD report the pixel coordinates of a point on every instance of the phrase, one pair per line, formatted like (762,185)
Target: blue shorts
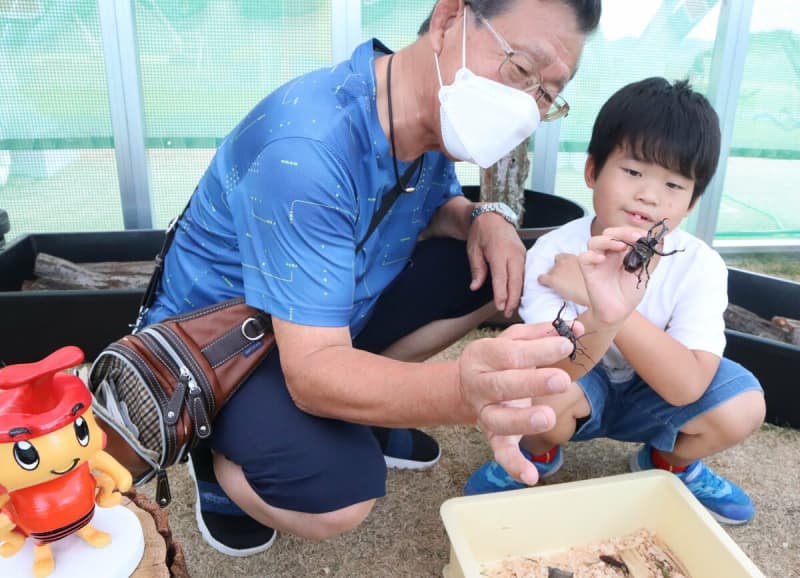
(300,462)
(631,411)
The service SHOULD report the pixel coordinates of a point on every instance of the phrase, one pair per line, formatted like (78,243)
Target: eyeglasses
(518,70)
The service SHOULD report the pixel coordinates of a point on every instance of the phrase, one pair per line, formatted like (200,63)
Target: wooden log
(740,319)
(790,327)
(118,268)
(66,274)
(505,180)
(153,563)
(57,273)
(36,285)
(165,557)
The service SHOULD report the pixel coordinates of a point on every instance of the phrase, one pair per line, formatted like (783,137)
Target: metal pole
(345,28)
(727,68)
(545,157)
(117,23)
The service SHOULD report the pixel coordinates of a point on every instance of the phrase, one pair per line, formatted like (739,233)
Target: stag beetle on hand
(642,251)
(565,330)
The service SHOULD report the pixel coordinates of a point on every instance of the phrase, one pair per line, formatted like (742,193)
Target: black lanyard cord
(401,184)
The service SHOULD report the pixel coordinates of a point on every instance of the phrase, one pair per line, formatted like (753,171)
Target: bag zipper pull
(197,410)
(163,494)
(175,404)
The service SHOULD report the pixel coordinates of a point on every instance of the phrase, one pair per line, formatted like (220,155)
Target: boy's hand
(566,279)
(612,292)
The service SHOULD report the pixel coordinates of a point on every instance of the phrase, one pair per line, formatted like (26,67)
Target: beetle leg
(668,254)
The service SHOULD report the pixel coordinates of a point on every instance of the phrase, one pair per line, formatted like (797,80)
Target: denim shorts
(632,411)
(300,462)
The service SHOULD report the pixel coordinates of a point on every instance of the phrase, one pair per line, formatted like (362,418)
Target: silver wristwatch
(500,208)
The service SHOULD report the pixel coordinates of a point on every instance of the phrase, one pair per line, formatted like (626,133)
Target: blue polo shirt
(289,195)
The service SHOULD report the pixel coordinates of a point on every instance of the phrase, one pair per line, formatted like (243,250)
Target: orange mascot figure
(53,469)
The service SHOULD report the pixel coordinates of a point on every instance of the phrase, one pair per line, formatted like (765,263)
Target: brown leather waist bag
(157,391)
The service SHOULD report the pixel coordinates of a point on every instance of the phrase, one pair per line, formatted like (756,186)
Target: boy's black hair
(587,12)
(668,124)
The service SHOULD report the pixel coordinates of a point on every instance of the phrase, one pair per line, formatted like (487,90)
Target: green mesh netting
(205,63)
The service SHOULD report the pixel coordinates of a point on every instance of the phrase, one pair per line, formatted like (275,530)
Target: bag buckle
(256,326)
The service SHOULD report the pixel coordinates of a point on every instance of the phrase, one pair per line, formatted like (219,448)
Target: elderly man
(293,214)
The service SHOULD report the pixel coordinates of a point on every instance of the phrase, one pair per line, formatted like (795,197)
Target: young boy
(663,381)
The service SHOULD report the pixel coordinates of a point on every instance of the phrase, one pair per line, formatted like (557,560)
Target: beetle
(565,330)
(616,564)
(641,252)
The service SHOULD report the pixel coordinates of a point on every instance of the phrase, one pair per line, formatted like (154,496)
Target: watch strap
(494,207)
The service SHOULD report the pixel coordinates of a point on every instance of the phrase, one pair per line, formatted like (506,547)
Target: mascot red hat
(35,399)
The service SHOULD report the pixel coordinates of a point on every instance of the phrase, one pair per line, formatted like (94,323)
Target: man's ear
(444,16)
(589,172)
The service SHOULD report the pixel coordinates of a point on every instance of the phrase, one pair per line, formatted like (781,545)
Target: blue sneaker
(492,477)
(724,500)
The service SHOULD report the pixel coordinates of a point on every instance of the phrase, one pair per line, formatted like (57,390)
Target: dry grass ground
(404,536)
(777,265)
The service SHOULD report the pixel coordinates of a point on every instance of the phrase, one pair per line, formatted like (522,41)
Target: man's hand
(493,245)
(498,378)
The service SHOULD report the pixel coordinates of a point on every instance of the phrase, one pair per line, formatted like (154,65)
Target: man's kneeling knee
(332,524)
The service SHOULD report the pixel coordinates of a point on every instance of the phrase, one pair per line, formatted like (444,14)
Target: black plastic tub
(35,323)
(775,364)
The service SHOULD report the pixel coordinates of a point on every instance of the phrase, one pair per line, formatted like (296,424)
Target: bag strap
(152,286)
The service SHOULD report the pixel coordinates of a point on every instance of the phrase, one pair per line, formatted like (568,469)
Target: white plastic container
(547,519)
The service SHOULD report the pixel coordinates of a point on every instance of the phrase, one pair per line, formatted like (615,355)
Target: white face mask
(483,120)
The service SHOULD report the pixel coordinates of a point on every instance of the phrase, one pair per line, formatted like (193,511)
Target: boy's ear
(589,172)
(443,17)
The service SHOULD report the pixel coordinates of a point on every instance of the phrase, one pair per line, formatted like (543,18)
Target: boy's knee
(570,404)
(745,415)
(756,409)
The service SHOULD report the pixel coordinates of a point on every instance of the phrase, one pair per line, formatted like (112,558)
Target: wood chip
(636,563)
(641,554)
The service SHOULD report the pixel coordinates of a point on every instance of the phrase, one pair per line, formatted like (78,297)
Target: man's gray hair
(587,12)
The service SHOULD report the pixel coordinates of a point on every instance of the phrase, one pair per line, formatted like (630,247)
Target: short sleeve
(540,303)
(294,213)
(451,185)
